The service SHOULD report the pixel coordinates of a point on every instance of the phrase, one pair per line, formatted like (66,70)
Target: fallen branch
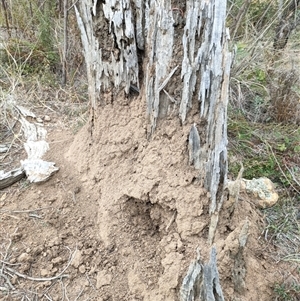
(24,211)
(170,97)
(164,83)
(7,281)
(11,177)
(171,220)
(59,276)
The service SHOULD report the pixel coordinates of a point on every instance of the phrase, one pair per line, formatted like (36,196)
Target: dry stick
(61,275)
(91,284)
(79,294)
(11,216)
(10,146)
(170,97)
(7,281)
(171,220)
(6,17)
(63,290)
(47,107)
(37,278)
(24,211)
(164,83)
(6,253)
(5,262)
(242,11)
(270,147)
(73,5)
(35,215)
(292,174)
(74,197)
(48,297)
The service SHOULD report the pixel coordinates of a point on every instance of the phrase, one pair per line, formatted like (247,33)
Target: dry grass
(285,99)
(265,82)
(264,90)
(264,127)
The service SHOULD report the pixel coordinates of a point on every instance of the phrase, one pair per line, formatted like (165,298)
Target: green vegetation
(30,43)
(32,40)
(287,292)
(271,150)
(31,63)
(264,118)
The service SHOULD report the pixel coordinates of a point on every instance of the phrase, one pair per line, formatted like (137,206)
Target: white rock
(261,192)
(103,278)
(82,269)
(24,257)
(44,272)
(47,118)
(77,260)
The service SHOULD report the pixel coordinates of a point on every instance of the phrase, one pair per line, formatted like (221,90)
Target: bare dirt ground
(122,219)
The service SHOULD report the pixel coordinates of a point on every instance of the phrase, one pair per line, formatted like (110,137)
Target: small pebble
(77,190)
(57,260)
(47,283)
(54,270)
(44,272)
(82,269)
(24,257)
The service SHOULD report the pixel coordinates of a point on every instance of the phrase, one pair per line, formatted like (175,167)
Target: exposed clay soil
(125,215)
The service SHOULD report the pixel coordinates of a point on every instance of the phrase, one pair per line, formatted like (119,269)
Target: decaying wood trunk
(11,177)
(155,30)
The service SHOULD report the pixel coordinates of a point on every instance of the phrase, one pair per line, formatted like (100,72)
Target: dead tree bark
(152,28)
(202,281)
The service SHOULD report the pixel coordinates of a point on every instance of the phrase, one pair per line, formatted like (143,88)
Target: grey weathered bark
(202,281)
(205,65)
(194,147)
(11,177)
(131,26)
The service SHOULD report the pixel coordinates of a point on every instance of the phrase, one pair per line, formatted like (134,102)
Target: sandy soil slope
(122,219)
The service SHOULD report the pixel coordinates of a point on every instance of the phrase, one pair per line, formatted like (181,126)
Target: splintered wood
(114,31)
(115,61)
(202,281)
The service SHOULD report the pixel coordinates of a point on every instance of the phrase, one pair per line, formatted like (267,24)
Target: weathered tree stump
(131,44)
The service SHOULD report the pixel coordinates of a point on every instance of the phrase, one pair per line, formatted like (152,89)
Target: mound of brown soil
(124,216)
